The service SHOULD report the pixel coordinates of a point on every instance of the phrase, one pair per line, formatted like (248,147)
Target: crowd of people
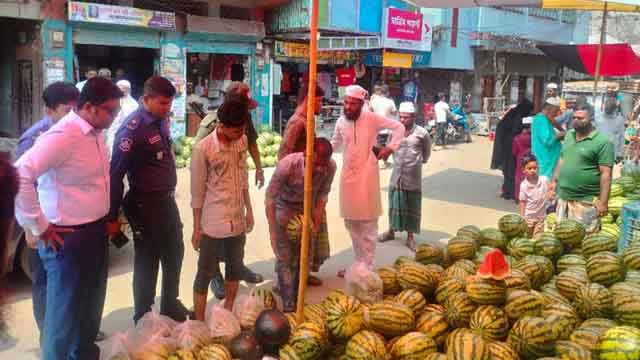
(559,160)
(71,191)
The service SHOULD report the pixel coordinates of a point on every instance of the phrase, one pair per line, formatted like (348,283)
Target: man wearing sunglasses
(66,213)
(142,150)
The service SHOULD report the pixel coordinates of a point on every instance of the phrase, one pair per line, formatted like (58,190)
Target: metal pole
(308,167)
(603,39)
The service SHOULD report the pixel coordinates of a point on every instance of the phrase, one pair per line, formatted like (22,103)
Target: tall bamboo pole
(603,39)
(308,167)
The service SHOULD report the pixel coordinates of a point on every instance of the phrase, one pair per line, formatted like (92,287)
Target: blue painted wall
(443,55)
(371,15)
(344,14)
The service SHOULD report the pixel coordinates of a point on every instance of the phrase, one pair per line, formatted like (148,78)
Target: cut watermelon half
(495,266)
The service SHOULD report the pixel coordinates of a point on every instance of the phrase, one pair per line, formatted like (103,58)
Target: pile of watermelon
(565,295)
(268,145)
(182,148)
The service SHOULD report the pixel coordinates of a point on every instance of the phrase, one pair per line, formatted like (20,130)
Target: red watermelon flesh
(495,266)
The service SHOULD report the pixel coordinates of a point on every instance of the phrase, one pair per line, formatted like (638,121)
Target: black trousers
(158,241)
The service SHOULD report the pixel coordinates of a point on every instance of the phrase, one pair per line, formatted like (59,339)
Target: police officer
(142,150)
(237,92)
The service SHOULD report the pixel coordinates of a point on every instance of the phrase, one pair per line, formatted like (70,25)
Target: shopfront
(336,70)
(124,40)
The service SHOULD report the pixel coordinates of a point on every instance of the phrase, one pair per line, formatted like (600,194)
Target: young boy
(534,192)
(221,205)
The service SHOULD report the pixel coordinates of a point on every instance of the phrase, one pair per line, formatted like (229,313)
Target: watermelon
(309,340)
(598,242)
(512,225)
(563,317)
(429,254)
(413,346)
(345,317)
(418,277)
(517,280)
(570,260)
(631,257)
(621,342)
(522,303)
(502,351)
(494,266)
(461,248)
(435,325)
(413,299)
(590,331)
(486,291)
(520,247)
(272,328)
(605,268)
(568,282)
(391,319)
(490,322)
(532,337)
(448,287)
(245,347)
(548,246)
(365,345)
(570,350)
(459,308)
(464,345)
(626,303)
(593,300)
(470,231)
(570,232)
(494,238)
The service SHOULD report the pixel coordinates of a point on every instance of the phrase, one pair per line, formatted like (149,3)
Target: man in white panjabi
(355,136)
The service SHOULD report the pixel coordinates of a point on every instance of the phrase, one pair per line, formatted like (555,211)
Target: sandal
(314,280)
(386,236)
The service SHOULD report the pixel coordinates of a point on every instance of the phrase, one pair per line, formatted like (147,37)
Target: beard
(353,116)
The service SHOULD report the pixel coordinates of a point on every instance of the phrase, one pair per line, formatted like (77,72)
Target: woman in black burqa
(502,158)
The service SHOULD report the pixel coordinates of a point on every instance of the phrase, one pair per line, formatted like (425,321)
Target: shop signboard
(397,60)
(121,15)
(301,51)
(406,30)
(173,67)
(420,60)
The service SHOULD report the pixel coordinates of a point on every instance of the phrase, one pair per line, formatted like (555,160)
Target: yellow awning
(592,5)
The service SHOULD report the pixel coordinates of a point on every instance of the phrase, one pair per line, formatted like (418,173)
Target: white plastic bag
(363,283)
(247,311)
(223,324)
(191,334)
(156,347)
(153,323)
(117,346)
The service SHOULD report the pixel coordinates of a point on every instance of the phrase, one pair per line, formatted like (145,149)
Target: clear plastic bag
(153,323)
(247,309)
(223,324)
(116,347)
(191,334)
(363,283)
(155,347)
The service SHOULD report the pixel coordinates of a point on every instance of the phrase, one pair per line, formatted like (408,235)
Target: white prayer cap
(407,107)
(124,83)
(552,86)
(554,100)
(527,120)
(356,91)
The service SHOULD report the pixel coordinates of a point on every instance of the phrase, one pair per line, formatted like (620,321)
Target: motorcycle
(458,127)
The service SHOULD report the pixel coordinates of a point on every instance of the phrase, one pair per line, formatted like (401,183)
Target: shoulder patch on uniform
(133,124)
(155,139)
(125,144)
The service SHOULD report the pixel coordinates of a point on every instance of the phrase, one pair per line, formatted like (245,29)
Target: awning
(586,5)
(617,59)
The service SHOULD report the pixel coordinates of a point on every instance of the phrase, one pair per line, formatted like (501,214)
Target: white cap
(554,100)
(407,107)
(356,91)
(527,120)
(124,83)
(552,86)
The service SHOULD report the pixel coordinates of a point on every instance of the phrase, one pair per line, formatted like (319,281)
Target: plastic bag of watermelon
(223,324)
(363,283)
(191,334)
(247,309)
(153,323)
(117,346)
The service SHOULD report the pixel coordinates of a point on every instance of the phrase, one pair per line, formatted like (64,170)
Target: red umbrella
(617,59)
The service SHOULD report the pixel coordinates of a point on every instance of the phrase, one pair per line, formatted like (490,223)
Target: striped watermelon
(563,316)
(481,253)
(520,247)
(437,308)
(607,219)
(286,352)
(345,317)
(616,204)
(336,352)
(309,340)
(611,229)
(458,310)
(626,303)
(413,299)
(598,242)
(570,232)
(486,291)
(633,276)
(551,295)
(468,265)
(631,257)
(465,345)
(456,272)
(593,300)
(418,277)
(539,269)
(436,270)
(413,346)
(436,356)
(570,350)
(494,238)
(461,248)
(570,260)
(605,268)
(568,282)
(517,280)
(616,191)
(391,319)
(435,325)
(548,246)
(470,231)
(366,345)
(428,253)
(522,303)
(448,287)
(389,276)
(315,313)
(550,222)
(532,337)
(214,352)
(512,225)
(490,323)
(502,351)
(620,342)
(403,260)
(590,331)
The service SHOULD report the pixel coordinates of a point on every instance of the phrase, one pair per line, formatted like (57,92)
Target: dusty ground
(458,189)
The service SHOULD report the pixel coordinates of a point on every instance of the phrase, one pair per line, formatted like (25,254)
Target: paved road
(458,190)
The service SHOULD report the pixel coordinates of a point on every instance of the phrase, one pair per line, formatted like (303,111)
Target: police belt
(83,226)
(166,194)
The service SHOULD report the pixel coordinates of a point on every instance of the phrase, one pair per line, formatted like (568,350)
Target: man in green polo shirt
(583,174)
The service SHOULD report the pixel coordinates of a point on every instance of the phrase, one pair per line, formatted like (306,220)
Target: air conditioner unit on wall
(438,34)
